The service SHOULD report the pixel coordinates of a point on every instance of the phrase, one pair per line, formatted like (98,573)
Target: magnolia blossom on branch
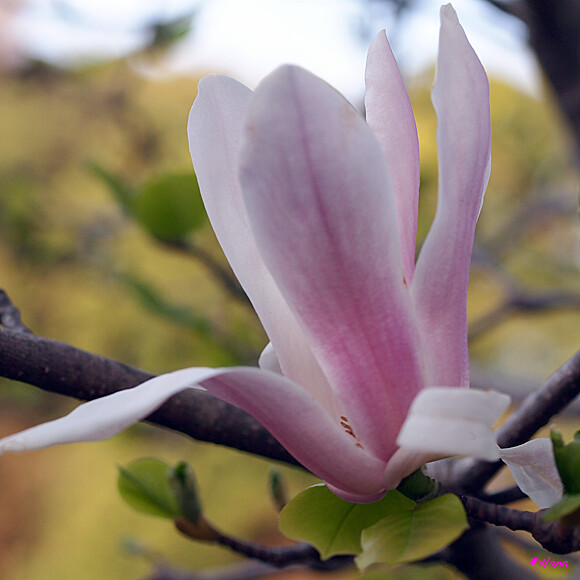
(367,372)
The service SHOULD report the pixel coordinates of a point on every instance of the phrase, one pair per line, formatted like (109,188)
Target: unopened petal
(534,468)
(319,200)
(446,421)
(215,129)
(390,116)
(461,100)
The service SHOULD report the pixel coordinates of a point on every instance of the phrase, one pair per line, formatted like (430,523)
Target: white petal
(534,468)
(449,421)
(216,124)
(107,416)
(268,360)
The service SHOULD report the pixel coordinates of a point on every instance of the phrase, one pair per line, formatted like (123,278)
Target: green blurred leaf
(151,299)
(166,34)
(144,485)
(569,504)
(170,207)
(412,531)
(183,485)
(331,524)
(278,488)
(120,190)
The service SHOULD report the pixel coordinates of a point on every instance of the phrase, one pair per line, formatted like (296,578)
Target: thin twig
(504,496)
(241,571)
(228,281)
(521,300)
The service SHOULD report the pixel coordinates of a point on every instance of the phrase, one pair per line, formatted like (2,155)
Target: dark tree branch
(505,496)
(59,368)
(553,536)
(479,555)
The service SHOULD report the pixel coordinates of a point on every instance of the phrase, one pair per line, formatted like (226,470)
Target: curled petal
(319,200)
(390,116)
(446,421)
(107,416)
(461,100)
(215,128)
(534,468)
(284,408)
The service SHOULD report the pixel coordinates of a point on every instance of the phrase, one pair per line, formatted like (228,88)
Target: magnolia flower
(366,375)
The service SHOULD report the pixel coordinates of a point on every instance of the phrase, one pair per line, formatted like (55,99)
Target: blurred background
(104,246)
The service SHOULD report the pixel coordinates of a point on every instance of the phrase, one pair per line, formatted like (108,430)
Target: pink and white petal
(404,462)
(215,127)
(461,100)
(353,498)
(284,408)
(323,215)
(102,418)
(302,426)
(534,469)
(446,421)
(390,116)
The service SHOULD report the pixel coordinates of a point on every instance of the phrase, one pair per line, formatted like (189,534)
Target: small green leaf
(567,458)
(331,524)
(170,207)
(418,486)
(565,507)
(413,531)
(144,485)
(182,483)
(278,488)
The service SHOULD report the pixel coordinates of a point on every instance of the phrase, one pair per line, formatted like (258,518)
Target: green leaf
(278,488)
(330,524)
(565,507)
(418,486)
(144,485)
(567,458)
(155,302)
(170,207)
(413,531)
(184,488)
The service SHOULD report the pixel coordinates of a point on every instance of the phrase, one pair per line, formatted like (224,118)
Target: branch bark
(60,368)
(554,27)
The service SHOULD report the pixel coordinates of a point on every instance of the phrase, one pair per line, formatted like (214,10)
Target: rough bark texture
(60,368)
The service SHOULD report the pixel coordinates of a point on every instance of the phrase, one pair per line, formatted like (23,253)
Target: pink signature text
(546,562)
